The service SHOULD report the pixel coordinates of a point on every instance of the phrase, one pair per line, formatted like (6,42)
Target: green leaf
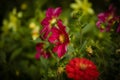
(44,62)
(15,54)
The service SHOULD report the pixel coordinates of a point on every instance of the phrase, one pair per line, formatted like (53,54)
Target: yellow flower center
(62,38)
(82,66)
(53,21)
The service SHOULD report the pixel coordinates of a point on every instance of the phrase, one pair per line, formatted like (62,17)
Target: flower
(89,49)
(35,30)
(81,69)
(60,38)
(118,27)
(83,5)
(35,33)
(49,21)
(40,47)
(60,70)
(106,19)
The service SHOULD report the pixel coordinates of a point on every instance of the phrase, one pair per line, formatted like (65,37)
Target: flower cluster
(108,19)
(82,69)
(54,32)
(55,39)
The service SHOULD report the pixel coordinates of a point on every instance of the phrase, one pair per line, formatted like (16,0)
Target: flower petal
(101,17)
(49,12)
(46,55)
(55,35)
(57,12)
(60,25)
(45,21)
(39,46)
(37,55)
(98,23)
(60,50)
(118,29)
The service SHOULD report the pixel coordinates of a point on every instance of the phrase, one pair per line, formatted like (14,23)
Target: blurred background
(19,27)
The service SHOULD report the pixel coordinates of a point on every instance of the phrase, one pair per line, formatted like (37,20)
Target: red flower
(60,38)
(49,21)
(41,51)
(81,69)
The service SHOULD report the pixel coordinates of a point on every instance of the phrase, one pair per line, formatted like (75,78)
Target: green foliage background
(17,48)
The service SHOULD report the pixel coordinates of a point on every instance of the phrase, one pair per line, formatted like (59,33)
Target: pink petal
(118,29)
(112,9)
(101,17)
(37,55)
(60,50)
(45,32)
(39,46)
(44,29)
(98,24)
(49,12)
(45,21)
(108,27)
(46,55)
(54,36)
(60,25)
(57,12)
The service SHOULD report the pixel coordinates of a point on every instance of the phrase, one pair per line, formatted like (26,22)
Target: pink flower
(60,38)
(106,19)
(81,69)
(118,29)
(41,51)
(49,21)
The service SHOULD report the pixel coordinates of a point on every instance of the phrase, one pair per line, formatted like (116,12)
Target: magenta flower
(118,21)
(60,38)
(41,51)
(106,19)
(49,21)
(118,29)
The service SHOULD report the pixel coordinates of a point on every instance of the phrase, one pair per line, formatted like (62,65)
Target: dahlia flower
(82,69)
(118,29)
(49,21)
(118,21)
(40,48)
(106,19)
(60,38)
